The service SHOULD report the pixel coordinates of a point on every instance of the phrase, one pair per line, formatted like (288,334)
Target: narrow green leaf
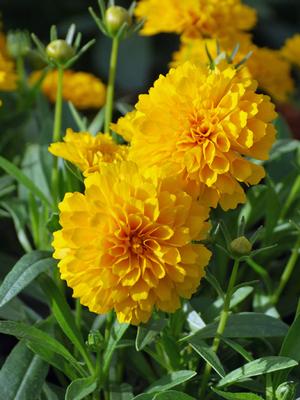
(22,375)
(97,124)
(173,395)
(80,388)
(117,332)
(15,172)
(80,121)
(144,396)
(64,317)
(121,392)
(238,348)
(23,273)
(245,325)
(208,355)
(171,380)
(257,367)
(237,396)
(37,336)
(212,280)
(146,333)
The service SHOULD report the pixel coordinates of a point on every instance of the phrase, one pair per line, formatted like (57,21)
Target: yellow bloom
(88,152)
(200,124)
(82,89)
(194,18)
(291,50)
(8,77)
(266,66)
(126,243)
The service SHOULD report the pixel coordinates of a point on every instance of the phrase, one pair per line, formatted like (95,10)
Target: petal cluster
(84,90)
(204,125)
(195,18)
(291,50)
(8,76)
(126,243)
(88,152)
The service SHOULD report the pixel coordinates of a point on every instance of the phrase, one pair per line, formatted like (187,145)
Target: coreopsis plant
(161,246)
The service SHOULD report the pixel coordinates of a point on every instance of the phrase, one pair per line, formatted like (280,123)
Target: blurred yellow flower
(291,50)
(84,90)
(200,123)
(8,77)
(266,66)
(126,244)
(195,18)
(88,152)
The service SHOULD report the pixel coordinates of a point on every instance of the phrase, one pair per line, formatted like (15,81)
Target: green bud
(115,17)
(241,246)
(59,50)
(18,43)
(286,391)
(95,340)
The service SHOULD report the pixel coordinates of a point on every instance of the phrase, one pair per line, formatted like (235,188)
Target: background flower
(291,50)
(201,123)
(126,243)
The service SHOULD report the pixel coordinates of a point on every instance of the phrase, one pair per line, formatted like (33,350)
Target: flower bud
(115,17)
(241,246)
(95,340)
(18,43)
(59,50)
(286,391)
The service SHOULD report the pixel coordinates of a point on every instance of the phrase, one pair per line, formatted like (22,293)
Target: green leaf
(97,124)
(257,367)
(34,335)
(171,380)
(290,348)
(147,333)
(121,392)
(117,332)
(22,375)
(144,396)
(237,396)
(23,273)
(14,171)
(208,355)
(80,388)
(64,317)
(238,348)
(244,325)
(173,395)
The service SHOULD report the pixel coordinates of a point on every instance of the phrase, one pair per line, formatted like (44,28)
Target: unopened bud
(286,391)
(241,246)
(115,17)
(59,50)
(95,340)
(18,43)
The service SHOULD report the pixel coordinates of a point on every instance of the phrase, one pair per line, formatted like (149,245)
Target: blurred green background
(141,58)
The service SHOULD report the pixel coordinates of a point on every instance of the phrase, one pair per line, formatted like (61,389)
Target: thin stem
(111,84)
(21,72)
(222,325)
(289,268)
(293,193)
(56,134)
(78,313)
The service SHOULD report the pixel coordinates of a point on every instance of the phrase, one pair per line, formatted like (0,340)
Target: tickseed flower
(267,66)
(291,50)
(126,244)
(202,124)
(195,18)
(8,77)
(84,90)
(88,152)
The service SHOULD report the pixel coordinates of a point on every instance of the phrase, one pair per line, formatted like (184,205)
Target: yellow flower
(126,244)
(203,124)
(266,66)
(291,50)
(8,77)
(84,90)
(88,152)
(195,18)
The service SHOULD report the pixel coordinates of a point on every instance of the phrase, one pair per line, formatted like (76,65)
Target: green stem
(111,84)
(289,268)
(21,72)
(221,327)
(78,313)
(56,135)
(293,193)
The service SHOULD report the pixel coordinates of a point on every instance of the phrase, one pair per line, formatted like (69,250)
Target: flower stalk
(222,325)
(111,84)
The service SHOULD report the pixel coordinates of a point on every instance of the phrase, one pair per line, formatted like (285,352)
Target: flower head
(88,152)
(8,76)
(267,66)
(195,18)
(291,50)
(126,244)
(84,90)
(202,124)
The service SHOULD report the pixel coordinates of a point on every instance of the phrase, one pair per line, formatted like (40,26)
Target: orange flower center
(202,125)
(137,245)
